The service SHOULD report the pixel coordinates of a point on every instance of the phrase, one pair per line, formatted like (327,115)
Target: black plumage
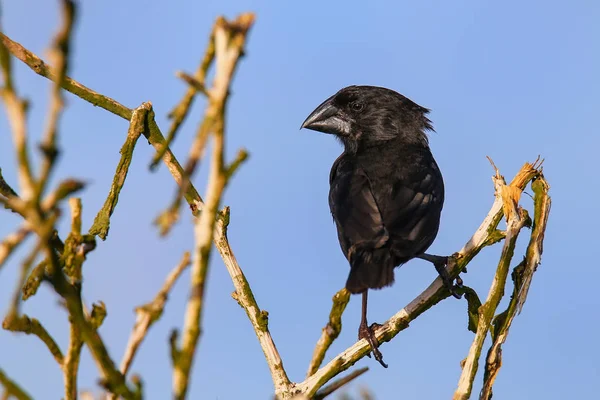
(386,190)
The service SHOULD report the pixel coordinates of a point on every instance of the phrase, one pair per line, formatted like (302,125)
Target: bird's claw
(368,333)
(440,266)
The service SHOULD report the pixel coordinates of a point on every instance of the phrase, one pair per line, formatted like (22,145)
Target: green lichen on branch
(137,126)
(31,326)
(542,204)
(474,303)
(331,331)
(517,219)
(521,276)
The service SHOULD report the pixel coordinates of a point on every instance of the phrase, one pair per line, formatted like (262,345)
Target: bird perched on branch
(386,190)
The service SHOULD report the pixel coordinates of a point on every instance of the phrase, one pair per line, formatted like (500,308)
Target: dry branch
(149,313)
(516,219)
(329,389)
(59,56)
(229,40)
(42,218)
(331,331)
(181,110)
(71,361)
(11,388)
(259,318)
(522,275)
(31,326)
(157,140)
(137,125)
(11,242)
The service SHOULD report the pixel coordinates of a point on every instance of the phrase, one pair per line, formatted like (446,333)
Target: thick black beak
(327,119)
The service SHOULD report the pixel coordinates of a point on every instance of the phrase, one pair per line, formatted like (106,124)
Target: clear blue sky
(506,79)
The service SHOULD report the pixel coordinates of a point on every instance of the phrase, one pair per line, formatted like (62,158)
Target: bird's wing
(406,210)
(354,208)
(411,209)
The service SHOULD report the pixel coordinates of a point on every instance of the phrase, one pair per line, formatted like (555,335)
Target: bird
(386,190)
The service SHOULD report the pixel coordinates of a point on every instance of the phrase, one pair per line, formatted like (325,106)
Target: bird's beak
(327,118)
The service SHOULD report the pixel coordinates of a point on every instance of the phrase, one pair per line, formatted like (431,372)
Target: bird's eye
(356,106)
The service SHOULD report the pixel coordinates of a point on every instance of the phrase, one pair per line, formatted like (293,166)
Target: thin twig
(203,234)
(41,68)
(16,109)
(181,110)
(329,389)
(149,313)
(11,242)
(194,82)
(113,380)
(331,331)
(71,361)
(31,326)
(226,48)
(11,388)
(245,297)
(137,126)
(59,56)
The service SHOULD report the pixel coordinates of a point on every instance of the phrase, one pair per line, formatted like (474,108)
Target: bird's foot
(368,333)
(440,263)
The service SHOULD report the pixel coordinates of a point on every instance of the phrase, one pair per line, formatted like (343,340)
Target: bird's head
(370,115)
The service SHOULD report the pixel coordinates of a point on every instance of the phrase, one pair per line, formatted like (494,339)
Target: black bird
(386,190)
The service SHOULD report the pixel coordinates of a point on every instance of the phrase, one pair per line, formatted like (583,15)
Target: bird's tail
(373,269)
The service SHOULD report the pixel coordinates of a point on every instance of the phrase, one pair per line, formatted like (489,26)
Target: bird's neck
(379,147)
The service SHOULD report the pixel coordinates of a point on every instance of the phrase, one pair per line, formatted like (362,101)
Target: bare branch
(522,275)
(31,326)
(113,380)
(259,318)
(229,40)
(71,361)
(331,331)
(535,248)
(59,56)
(329,389)
(195,83)
(11,242)
(11,388)
(41,68)
(149,313)
(137,126)
(16,110)
(516,220)
(181,110)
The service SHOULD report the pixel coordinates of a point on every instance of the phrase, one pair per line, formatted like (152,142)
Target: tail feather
(372,269)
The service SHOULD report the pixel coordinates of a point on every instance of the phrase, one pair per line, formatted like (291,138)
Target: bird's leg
(368,332)
(440,263)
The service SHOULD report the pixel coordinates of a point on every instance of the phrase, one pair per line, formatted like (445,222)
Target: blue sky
(506,79)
